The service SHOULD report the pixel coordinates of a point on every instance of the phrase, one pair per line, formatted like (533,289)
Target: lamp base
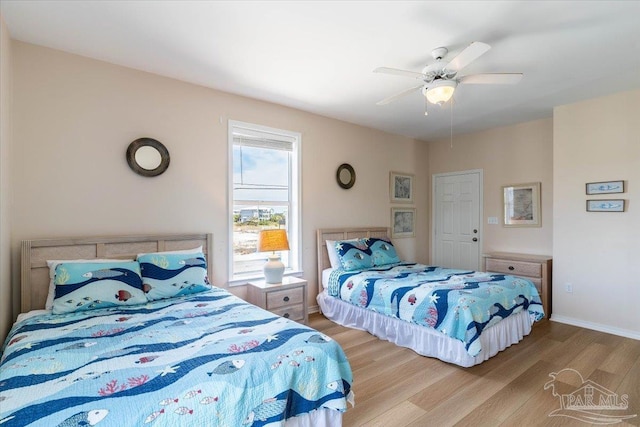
(273,270)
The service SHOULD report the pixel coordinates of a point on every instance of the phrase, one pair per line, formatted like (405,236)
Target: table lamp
(271,241)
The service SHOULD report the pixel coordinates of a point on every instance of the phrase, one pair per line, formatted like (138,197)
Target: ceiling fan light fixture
(440,91)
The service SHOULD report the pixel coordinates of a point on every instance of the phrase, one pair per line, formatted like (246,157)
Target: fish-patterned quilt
(207,359)
(458,303)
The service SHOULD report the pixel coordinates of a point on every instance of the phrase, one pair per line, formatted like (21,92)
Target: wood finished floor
(395,387)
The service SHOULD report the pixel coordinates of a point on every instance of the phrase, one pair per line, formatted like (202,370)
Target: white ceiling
(319,56)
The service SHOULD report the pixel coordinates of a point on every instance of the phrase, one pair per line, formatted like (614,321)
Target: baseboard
(596,326)
(314,309)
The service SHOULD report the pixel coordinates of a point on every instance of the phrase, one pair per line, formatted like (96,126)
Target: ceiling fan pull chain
(451,123)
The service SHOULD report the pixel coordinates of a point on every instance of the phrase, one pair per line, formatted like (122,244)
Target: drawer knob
(511,267)
(286,315)
(285,299)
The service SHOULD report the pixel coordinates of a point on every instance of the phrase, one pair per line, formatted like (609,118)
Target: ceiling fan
(439,80)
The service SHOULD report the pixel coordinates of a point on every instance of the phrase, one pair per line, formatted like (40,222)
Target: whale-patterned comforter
(460,304)
(208,359)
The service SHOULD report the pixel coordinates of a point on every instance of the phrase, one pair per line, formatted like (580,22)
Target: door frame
(480,173)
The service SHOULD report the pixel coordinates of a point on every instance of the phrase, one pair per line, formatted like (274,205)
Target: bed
(460,317)
(200,357)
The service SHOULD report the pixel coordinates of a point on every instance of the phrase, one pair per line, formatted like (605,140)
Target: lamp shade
(273,240)
(441,91)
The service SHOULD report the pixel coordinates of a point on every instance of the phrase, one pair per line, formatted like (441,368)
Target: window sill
(242,280)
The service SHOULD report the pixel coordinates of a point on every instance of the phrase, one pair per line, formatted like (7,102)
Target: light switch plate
(493,220)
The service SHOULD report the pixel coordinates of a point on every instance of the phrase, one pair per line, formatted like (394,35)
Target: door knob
(475,239)
(475,231)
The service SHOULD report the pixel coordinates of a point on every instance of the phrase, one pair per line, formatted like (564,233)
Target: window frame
(294,232)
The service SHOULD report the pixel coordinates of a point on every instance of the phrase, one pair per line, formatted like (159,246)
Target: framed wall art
(607,187)
(609,205)
(403,222)
(401,187)
(521,204)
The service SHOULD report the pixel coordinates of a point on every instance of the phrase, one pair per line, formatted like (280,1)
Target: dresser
(536,268)
(287,299)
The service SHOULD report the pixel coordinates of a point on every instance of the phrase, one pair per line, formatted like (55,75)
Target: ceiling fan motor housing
(436,71)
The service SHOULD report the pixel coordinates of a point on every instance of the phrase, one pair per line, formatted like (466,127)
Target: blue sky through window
(260,174)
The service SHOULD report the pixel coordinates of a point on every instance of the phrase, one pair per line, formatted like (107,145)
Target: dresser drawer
(515,268)
(537,283)
(276,299)
(295,312)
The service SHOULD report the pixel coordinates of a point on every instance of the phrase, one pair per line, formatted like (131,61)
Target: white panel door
(456,228)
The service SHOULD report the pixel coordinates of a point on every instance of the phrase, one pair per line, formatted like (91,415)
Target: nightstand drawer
(285,297)
(294,313)
(515,268)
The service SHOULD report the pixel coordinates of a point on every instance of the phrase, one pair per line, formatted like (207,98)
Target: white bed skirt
(422,340)
(317,418)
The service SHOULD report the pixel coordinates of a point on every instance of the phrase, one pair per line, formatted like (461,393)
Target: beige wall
(5,187)
(74,118)
(598,253)
(507,155)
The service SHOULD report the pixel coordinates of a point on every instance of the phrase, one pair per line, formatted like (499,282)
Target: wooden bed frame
(35,253)
(325,234)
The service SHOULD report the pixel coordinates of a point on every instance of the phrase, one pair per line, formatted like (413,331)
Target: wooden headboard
(35,253)
(325,234)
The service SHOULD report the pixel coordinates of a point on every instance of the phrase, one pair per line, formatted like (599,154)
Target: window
(264,193)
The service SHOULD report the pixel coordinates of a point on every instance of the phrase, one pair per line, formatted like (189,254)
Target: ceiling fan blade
(398,95)
(492,78)
(467,56)
(395,71)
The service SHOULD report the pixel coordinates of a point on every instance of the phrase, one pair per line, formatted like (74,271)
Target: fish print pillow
(81,286)
(334,260)
(53,263)
(382,251)
(354,255)
(166,275)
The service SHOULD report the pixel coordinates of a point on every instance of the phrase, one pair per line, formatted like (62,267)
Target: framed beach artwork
(521,204)
(607,187)
(403,222)
(609,205)
(401,187)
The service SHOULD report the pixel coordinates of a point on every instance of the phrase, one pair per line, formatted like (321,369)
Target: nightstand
(287,299)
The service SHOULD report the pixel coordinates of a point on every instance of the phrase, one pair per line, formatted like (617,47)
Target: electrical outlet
(492,220)
(568,287)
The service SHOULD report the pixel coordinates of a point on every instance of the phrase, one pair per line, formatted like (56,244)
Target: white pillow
(333,254)
(197,250)
(53,263)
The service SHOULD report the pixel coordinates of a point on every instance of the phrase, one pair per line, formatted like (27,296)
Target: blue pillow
(382,251)
(353,255)
(88,286)
(166,275)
